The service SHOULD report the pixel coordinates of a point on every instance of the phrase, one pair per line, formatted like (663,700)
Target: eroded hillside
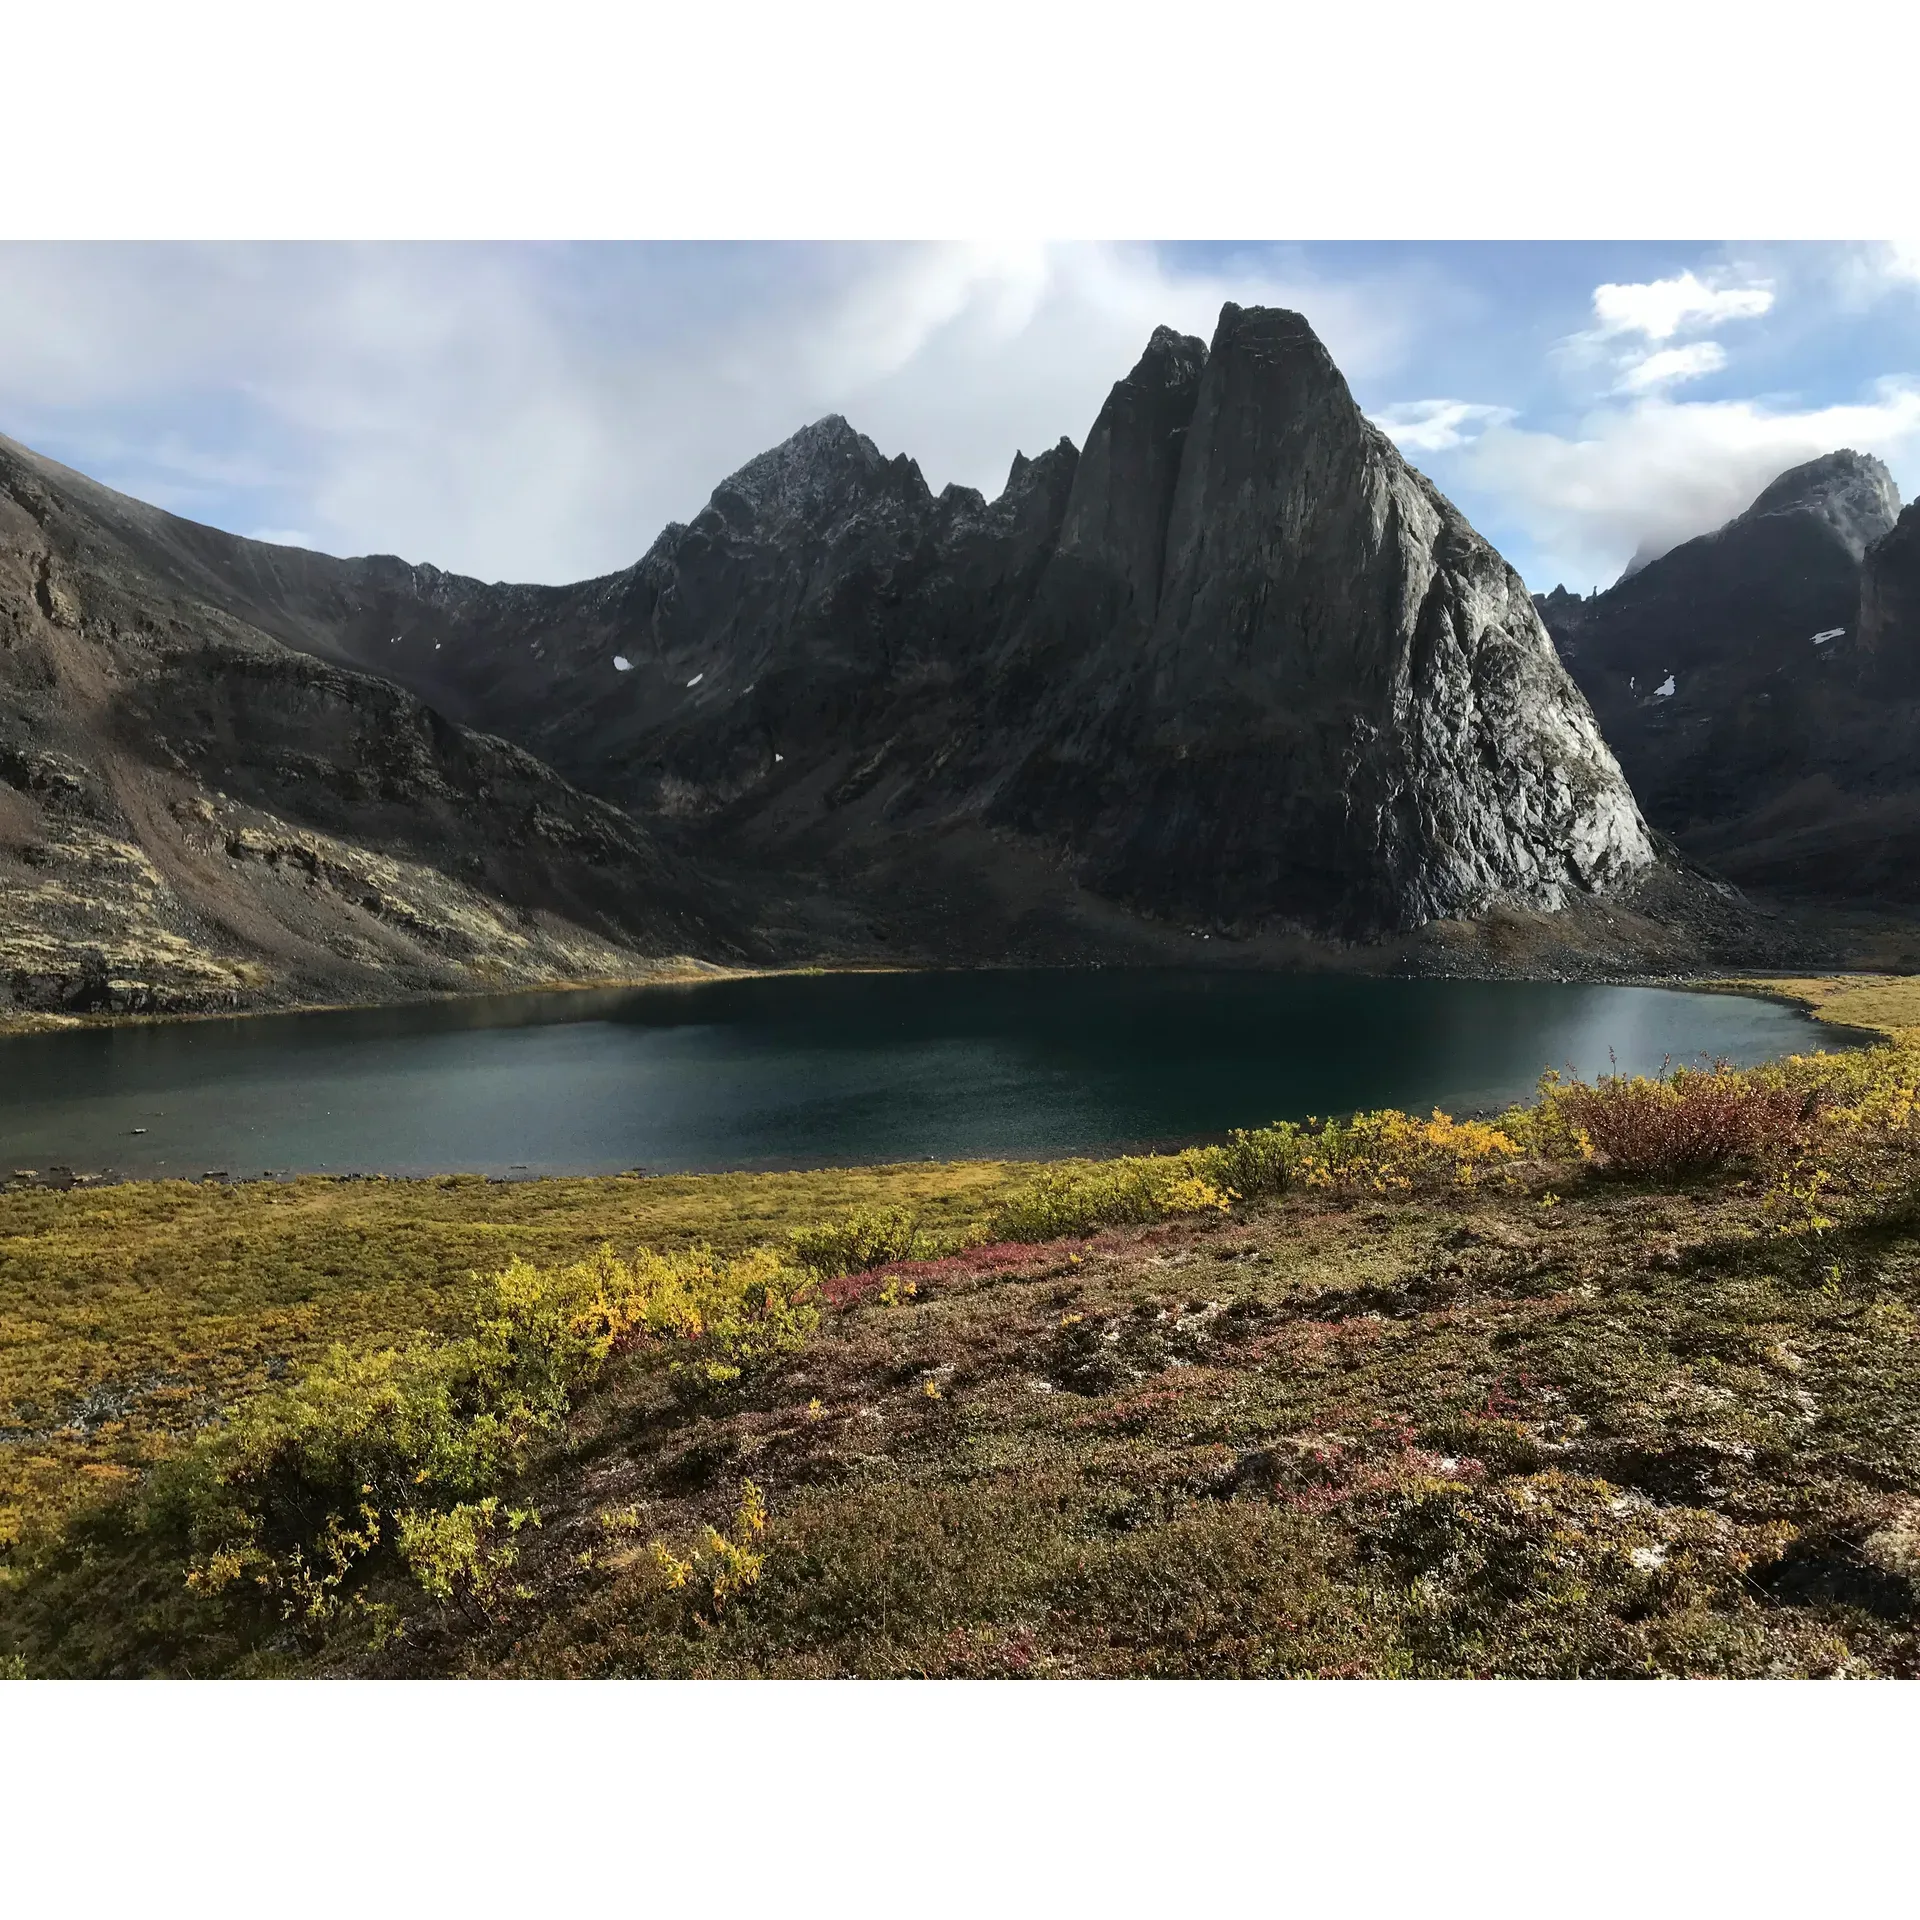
(193,816)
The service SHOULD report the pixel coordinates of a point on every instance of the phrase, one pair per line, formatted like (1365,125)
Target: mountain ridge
(1234,670)
(1744,679)
(827,627)
(195,816)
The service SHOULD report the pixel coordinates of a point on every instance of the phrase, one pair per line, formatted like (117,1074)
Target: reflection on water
(824,1069)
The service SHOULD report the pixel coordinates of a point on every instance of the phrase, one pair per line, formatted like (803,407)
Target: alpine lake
(825,1070)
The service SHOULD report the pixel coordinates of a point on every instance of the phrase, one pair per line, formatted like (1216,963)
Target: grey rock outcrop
(1344,708)
(1890,607)
(1754,684)
(1851,494)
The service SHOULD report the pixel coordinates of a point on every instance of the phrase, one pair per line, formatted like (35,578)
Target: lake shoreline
(922,1066)
(694,973)
(1813,992)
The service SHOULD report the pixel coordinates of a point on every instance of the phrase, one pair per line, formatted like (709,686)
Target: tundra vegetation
(1625,1381)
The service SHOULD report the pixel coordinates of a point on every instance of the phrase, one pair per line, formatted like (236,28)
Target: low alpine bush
(400,1457)
(859,1240)
(1671,1124)
(1064,1200)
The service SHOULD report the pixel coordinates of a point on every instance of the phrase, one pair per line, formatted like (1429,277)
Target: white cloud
(1856,276)
(1895,261)
(1647,475)
(282,536)
(1901,259)
(887,318)
(540,412)
(1632,318)
(1672,365)
(1437,426)
(1658,309)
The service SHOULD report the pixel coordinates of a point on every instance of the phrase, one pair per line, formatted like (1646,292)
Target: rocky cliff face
(1890,608)
(1234,669)
(1340,707)
(1234,666)
(1736,678)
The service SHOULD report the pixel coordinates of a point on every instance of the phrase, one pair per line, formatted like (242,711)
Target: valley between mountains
(1231,682)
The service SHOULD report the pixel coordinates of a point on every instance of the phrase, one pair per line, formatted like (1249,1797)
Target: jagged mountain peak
(824,469)
(1024,474)
(1270,387)
(1853,493)
(1282,338)
(1171,359)
(1275,672)
(1116,520)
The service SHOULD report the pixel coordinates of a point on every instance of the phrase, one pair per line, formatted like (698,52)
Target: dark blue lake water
(825,1069)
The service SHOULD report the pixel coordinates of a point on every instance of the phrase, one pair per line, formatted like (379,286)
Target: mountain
(1235,667)
(1234,671)
(194,816)
(1736,679)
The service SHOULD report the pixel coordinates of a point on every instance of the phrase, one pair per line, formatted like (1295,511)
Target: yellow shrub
(1065,1200)
(738,1312)
(401,1455)
(1390,1152)
(719,1567)
(459,1554)
(861,1239)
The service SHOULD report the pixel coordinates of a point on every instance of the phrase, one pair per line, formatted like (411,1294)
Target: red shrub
(1683,1122)
(1002,1258)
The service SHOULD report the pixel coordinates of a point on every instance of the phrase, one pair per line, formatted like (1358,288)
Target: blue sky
(540,411)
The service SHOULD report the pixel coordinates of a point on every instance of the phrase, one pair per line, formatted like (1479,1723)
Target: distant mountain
(1736,678)
(1235,670)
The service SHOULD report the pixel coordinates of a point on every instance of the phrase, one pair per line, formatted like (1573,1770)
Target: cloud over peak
(1658,309)
(1642,477)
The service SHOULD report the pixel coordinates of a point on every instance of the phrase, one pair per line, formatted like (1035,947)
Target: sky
(539,411)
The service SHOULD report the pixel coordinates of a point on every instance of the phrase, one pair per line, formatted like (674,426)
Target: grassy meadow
(1627,1382)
